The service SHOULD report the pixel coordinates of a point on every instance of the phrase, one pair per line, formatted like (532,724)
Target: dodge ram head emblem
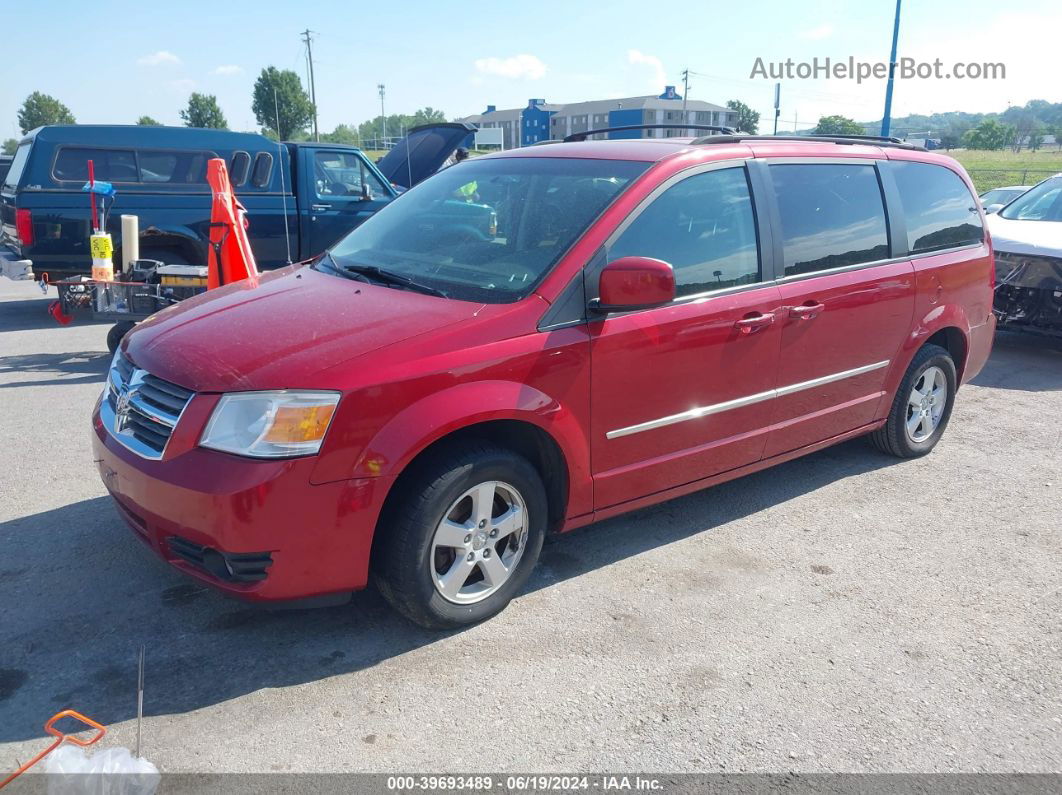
(125,395)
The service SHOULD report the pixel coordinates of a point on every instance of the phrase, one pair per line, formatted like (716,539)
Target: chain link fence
(985,179)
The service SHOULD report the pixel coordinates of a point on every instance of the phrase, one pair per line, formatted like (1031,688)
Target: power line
(307,38)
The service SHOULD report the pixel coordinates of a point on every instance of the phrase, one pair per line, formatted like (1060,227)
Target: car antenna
(283,189)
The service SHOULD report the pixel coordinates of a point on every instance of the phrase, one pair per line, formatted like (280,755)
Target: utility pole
(886,119)
(313,89)
(685,92)
(383,116)
(777,105)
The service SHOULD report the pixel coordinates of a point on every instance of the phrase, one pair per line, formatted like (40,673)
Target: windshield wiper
(390,277)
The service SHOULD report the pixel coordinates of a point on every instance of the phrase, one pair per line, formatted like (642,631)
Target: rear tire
(461,535)
(922,406)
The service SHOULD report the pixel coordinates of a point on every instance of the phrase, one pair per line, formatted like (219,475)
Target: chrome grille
(141,410)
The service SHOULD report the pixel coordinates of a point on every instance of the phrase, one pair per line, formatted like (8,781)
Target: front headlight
(270,424)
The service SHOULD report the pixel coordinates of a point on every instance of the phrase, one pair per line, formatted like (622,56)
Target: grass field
(994,169)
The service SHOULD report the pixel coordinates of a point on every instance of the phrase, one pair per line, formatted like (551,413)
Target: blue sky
(111,61)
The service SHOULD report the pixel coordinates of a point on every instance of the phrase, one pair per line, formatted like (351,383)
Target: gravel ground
(843,612)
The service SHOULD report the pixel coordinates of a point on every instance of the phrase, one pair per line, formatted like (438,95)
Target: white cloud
(659,77)
(183,85)
(516,67)
(228,70)
(158,58)
(818,33)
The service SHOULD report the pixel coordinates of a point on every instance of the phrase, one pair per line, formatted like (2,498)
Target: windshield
(17,165)
(1042,203)
(1001,195)
(487,230)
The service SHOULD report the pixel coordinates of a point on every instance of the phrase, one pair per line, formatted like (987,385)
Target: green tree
(147,121)
(838,125)
(1036,137)
(342,134)
(426,115)
(950,140)
(203,111)
(40,109)
(282,91)
(748,119)
(989,134)
(9,146)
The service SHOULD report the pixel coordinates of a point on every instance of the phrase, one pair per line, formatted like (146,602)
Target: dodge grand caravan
(421,404)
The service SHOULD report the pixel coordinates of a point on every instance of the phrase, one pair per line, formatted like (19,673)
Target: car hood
(422,152)
(1033,238)
(282,333)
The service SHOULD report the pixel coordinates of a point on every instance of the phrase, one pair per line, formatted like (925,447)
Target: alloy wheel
(479,542)
(926,403)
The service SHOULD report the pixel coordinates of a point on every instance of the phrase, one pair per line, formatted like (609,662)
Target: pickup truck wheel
(922,407)
(462,536)
(116,332)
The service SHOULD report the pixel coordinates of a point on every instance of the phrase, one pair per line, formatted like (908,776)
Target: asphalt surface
(843,612)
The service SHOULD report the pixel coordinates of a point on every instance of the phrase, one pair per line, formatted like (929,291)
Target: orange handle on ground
(49,728)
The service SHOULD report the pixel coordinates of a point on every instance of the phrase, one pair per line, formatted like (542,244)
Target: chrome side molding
(737,403)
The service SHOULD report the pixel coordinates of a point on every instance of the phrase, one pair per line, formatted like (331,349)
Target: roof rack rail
(874,140)
(582,136)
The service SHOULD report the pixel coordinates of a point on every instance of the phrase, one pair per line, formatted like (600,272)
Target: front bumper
(317,537)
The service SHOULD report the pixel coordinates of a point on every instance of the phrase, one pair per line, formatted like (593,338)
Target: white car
(996,199)
(1027,238)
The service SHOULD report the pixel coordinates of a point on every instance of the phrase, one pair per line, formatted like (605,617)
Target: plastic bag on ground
(72,771)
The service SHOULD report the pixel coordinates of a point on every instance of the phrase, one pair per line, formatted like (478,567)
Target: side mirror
(634,283)
(366,192)
(993,208)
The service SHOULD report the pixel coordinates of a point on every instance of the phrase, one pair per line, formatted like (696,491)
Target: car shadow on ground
(1023,362)
(84,367)
(87,595)
(32,313)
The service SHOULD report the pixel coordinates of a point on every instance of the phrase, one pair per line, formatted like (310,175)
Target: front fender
(430,419)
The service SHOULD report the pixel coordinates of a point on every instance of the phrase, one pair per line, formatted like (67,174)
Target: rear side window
(704,227)
(172,167)
(110,165)
(939,209)
(833,215)
(263,169)
(238,170)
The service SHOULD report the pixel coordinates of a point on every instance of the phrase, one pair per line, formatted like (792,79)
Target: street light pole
(313,89)
(886,119)
(383,116)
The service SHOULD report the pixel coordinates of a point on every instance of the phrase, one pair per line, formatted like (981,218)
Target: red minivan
(535,340)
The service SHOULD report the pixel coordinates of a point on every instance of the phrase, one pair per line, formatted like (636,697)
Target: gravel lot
(843,612)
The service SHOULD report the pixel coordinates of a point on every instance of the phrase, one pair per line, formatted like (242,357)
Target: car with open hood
(1028,242)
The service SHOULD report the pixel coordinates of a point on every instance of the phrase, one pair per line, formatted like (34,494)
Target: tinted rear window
(172,167)
(833,215)
(111,165)
(939,209)
(18,165)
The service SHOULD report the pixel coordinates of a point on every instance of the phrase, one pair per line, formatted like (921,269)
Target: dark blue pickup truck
(300,197)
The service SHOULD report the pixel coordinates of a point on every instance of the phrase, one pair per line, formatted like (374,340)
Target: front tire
(461,535)
(922,406)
